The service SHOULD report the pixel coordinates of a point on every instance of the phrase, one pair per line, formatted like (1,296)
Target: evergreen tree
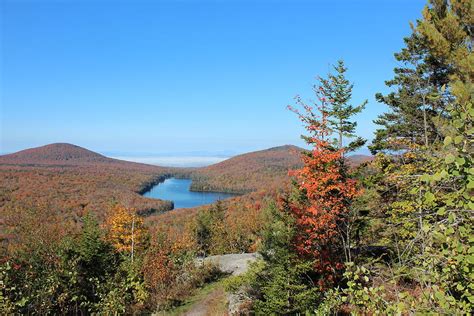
(335,92)
(285,283)
(429,190)
(419,101)
(96,256)
(209,228)
(93,261)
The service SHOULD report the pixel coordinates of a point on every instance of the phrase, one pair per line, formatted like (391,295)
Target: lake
(177,190)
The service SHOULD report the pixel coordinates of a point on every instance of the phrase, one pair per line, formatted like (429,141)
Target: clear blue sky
(184,76)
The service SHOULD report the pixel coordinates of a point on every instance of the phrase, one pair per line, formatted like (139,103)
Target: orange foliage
(169,262)
(76,181)
(328,192)
(239,231)
(264,169)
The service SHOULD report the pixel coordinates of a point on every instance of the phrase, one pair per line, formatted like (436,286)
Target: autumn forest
(331,231)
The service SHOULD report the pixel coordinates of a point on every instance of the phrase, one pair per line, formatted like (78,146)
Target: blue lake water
(177,190)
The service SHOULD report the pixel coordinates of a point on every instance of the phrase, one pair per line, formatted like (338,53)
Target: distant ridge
(249,172)
(64,154)
(281,156)
(256,170)
(276,159)
(58,153)
(355,160)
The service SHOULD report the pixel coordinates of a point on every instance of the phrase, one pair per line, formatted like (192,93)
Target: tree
(66,276)
(93,260)
(321,216)
(281,283)
(420,101)
(209,227)
(95,254)
(336,90)
(427,189)
(125,229)
(450,191)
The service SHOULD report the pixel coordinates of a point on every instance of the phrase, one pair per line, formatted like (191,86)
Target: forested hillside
(249,172)
(76,181)
(390,234)
(56,154)
(51,196)
(265,169)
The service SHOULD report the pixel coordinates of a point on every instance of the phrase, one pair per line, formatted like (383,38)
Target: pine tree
(430,199)
(93,259)
(209,228)
(420,99)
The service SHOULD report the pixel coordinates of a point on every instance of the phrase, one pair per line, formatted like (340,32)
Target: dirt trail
(214,304)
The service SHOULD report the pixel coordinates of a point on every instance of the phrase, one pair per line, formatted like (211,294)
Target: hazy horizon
(177,159)
(168,159)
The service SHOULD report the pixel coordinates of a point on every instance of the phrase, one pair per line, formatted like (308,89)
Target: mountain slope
(355,160)
(254,171)
(249,172)
(63,154)
(54,154)
(76,180)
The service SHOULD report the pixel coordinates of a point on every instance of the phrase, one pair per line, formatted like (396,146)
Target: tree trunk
(340,134)
(133,237)
(425,122)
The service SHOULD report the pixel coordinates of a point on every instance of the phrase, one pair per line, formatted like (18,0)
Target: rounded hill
(58,153)
(249,172)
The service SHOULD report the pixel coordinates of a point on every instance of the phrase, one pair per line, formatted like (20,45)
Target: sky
(185,78)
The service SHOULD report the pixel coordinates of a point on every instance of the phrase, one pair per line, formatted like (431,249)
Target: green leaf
(448,140)
(441,211)
(449,158)
(429,197)
(451,218)
(470,259)
(458,139)
(426,228)
(471,111)
(414,190)
(460,161)
(458,123)
(425,178)
(437,176)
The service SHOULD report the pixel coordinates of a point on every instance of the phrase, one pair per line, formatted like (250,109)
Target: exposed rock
(234,264)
